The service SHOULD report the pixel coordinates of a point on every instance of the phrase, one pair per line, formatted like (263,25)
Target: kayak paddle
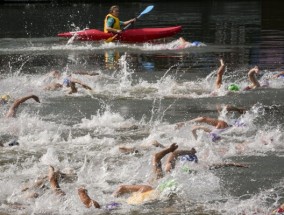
(147,10)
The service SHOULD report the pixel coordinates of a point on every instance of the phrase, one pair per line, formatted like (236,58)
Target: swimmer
(157,168)
(36,188)
(181,43)
(174,154)
(279,75)
(13,109)
(67,82)
(219,124)
(33,190)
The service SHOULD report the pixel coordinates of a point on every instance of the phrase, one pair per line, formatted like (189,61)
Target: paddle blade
(147,10)
(111,39)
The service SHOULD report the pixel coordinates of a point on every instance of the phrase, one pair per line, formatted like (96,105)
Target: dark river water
(138,95)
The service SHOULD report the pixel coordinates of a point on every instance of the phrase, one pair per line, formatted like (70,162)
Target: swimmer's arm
(253,70)
(122,189)
(195,128)
(198,119)
(82,84)
(252,78)
(52,177)
(85,198)
(12,110)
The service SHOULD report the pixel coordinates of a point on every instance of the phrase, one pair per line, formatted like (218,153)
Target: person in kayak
(112,24)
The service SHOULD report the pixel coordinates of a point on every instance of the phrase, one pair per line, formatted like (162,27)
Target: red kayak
(131,36)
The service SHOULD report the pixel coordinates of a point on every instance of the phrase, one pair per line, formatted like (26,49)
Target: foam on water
(88,145)
(36,45)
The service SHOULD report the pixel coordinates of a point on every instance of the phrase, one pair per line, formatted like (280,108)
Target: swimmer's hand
(35,98)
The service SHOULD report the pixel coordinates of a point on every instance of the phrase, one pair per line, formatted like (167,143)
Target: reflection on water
(111,59)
